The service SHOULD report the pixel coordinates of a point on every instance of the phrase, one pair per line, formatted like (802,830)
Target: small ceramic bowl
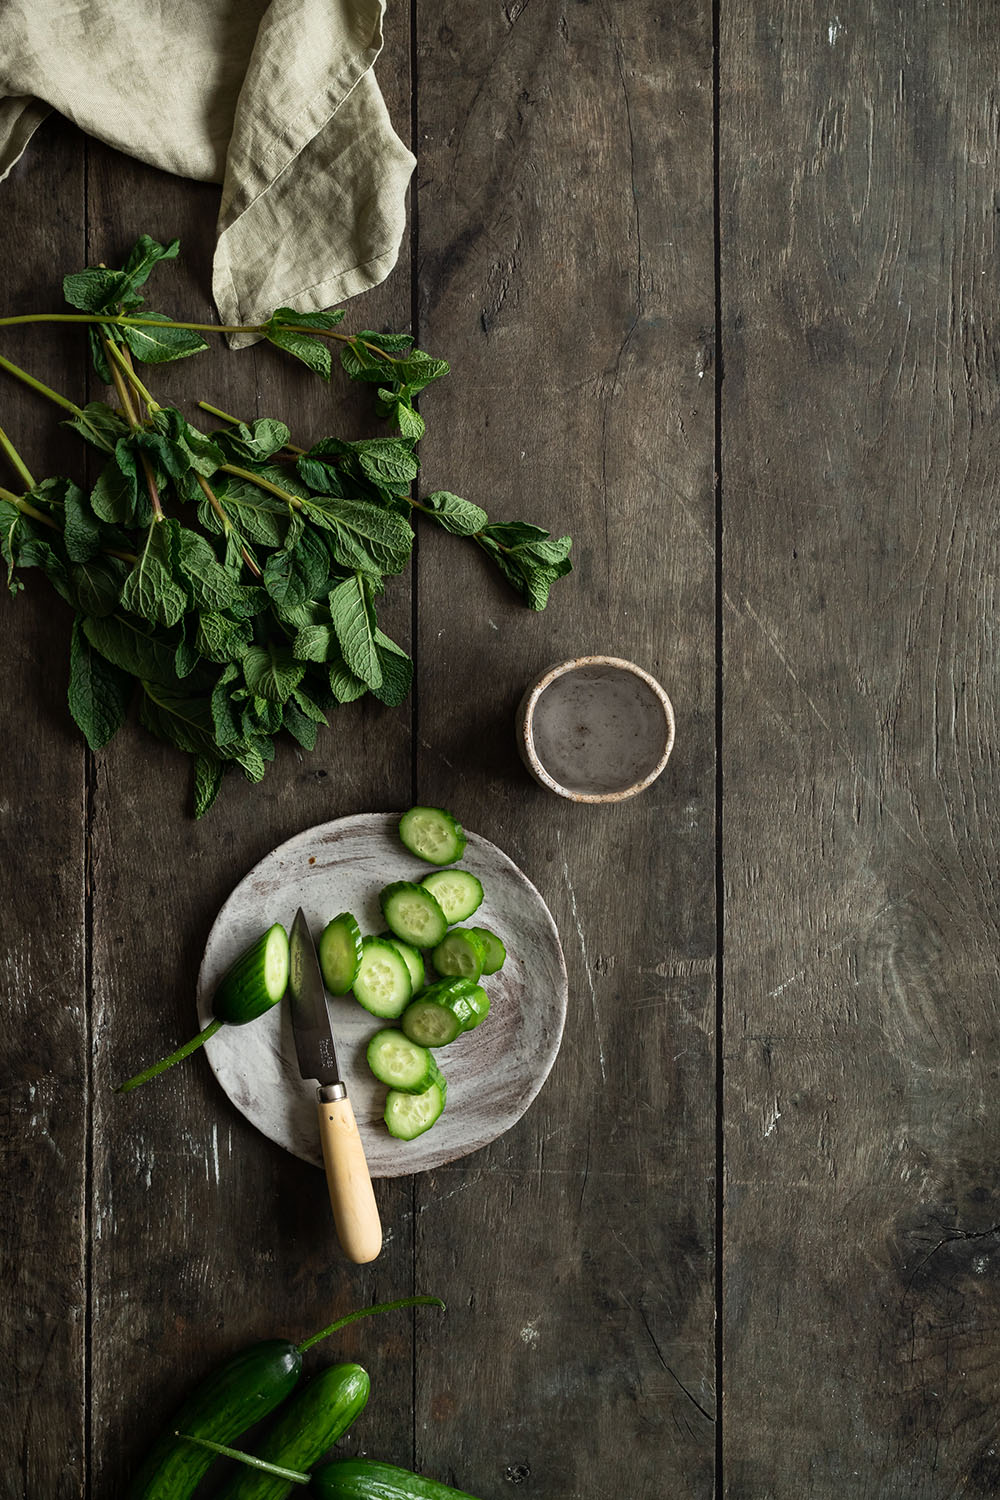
(595,729)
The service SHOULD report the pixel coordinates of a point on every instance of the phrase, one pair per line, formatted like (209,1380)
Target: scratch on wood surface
(586,970)
(857,931)
(773,1116)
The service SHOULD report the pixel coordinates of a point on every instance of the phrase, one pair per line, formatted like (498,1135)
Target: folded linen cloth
(275,99)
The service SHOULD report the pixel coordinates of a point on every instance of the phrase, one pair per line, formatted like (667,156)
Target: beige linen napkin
(275,99)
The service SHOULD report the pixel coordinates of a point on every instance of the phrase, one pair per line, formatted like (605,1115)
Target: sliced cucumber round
(383,983)
(461,954)
(496,953)
(413,914)
(444,1011)
(256,981)
(432,834)
(340,953)
(457,892)
(409,1115)
(411,957)
(400,1063)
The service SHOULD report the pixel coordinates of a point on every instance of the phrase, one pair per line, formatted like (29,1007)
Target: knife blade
(352,1198)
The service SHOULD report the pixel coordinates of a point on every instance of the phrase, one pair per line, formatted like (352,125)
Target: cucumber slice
(400,1063)
(432,834)
(256,981)
(444,1011)
(383,984)
(496,953)
(340,953)
(411,957)
(457,892)
(409,1115)
(462,954)
(413,914)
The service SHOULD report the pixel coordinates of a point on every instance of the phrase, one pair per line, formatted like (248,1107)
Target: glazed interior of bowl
(601,730)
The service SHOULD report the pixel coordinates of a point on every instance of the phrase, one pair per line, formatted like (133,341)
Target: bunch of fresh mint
(229,579)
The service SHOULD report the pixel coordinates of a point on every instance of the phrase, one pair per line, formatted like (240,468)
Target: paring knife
(355,1211)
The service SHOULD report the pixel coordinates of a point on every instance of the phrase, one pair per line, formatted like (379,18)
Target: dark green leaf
(344,685)
(144,255)
(311,351)
(306,705)
(99,425)
(272,672)
(329,318)
(362,535)
(95,586)
(98,693)
(81,531)
(207,781)
(293,577)
(389,463)
(151,589)
(456,515)
(186,655)
(262,716)
(253,444)
(159,346)
(211,585)
(258,516)
(10,535)
(314,643)
(300,726)
(353,614)
(97,290)
(253,758)
(115,496)
(319,474)
(182,720)
(221,639)
(397,671)
(409,421)
(419,369)
(224,717)
(97,354)
(132,646)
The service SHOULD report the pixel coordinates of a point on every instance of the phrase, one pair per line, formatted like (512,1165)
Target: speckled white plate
(493,1072)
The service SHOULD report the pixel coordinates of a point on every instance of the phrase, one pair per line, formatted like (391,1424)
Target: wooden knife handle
(352,1198)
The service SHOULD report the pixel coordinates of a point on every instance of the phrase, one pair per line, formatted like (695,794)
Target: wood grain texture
(858,196)
(45,1100)
(565,266)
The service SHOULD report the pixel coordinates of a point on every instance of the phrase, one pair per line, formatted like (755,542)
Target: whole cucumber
(309,1424)
(246,1389)
(367,1479)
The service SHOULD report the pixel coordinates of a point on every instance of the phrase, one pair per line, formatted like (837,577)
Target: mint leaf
(389,463)
(99,425)
(98,290)
(224,718)
(144,255)
(397,671)
(253,444)
(309,350)
(159,346)
(314,643)
(98,693)
(81,530)
(132,646)
(151,590)
(181,720)
(272,672)
(114,497)
(257,516)
(367,535)
(456,515)
(353,614)
(211,585)
(344,686)
(220,639)
(95,586)
(207,782)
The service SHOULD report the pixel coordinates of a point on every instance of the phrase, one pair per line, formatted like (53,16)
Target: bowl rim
(527,737)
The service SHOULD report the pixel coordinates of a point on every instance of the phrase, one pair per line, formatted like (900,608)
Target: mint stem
(17,462)
(168,1062)
(36,385)
(367,1312)
(121,373)
(294,1475)
(261,328)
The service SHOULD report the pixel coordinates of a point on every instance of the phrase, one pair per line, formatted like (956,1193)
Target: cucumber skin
(367,1479)
(341,921)
(241,996)
(243,1391)
(470,936)
(396,888)
(309,1424)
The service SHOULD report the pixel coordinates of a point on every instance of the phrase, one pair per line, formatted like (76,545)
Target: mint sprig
(226,582)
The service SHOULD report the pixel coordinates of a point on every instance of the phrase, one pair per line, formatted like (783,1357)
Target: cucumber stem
(294,1475)
(168,1062)
(366,1312)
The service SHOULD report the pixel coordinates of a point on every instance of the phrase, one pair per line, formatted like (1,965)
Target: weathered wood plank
(858,233)
(208,1237)
(45,1042)
(565,267)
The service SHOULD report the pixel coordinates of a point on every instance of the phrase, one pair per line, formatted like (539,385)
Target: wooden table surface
(719,288)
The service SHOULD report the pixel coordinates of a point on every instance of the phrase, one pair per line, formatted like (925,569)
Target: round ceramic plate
(493,1072)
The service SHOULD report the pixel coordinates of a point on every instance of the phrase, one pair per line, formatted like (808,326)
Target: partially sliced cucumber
(409,1115)
(400,1063)
(457,892)
(413,914)
(340,953)
(461,954)
(444,1011)
(383,983)
(256,981)
(432,834)
(411,957)
(496,953)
